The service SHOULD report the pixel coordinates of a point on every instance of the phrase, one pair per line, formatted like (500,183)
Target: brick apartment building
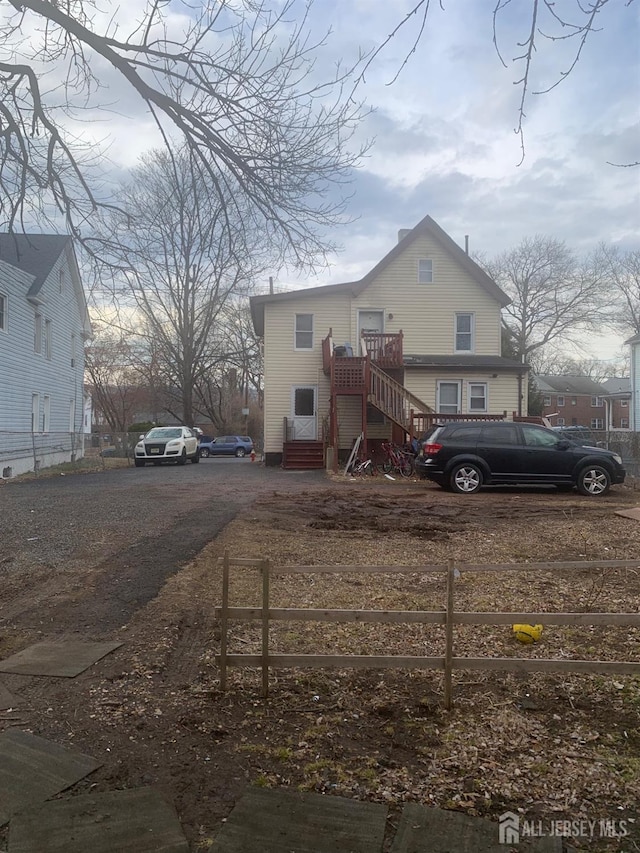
(581,401)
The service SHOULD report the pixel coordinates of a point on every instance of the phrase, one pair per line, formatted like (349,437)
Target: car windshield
(164,432)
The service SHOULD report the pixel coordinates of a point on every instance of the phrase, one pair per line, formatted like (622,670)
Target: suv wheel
(240,451)
(466,478)
(204,452)
(593,481)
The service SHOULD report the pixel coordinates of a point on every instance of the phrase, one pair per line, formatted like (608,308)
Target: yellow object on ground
(527,633)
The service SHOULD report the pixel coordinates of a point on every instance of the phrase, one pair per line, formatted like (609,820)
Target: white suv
(164,444)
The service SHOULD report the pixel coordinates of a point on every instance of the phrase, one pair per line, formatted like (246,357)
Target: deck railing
(385,350)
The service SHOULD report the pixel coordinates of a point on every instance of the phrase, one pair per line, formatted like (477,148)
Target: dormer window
(425,271)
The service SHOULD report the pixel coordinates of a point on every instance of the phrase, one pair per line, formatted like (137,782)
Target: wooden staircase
(303,455)
(393,399)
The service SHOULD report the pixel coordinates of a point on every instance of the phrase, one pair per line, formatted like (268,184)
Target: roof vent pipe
(466,244)
(402,233)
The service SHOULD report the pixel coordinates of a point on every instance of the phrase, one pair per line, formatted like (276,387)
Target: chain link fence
(23,452)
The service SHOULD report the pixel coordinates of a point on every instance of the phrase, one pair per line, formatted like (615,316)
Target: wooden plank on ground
(429,830)
(633,513)
(33,769)
(62,658)
(8,699)
(275,821)
(135,821)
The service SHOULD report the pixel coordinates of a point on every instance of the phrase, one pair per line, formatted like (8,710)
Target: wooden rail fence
(448,617)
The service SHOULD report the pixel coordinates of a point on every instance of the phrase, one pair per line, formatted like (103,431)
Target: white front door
(304,412)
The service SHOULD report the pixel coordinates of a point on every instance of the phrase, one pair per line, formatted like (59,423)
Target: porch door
(370,321)
(304,412)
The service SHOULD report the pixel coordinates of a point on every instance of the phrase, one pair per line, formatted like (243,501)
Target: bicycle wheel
(408,466)
(386,466)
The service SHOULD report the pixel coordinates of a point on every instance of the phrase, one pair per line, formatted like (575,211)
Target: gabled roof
(617,385)
(426,226)
(569,384)
(34,253)
(37,254)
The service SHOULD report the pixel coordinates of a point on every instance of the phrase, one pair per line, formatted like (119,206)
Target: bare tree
(112,375)
(232,81)
(554,295)
(234,382)
(553,363)
(540,21)
(623,284)
(183,255)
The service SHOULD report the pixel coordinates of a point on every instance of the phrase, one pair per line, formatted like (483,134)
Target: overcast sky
(444,132)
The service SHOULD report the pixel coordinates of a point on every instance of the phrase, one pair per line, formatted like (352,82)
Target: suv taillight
(432,449)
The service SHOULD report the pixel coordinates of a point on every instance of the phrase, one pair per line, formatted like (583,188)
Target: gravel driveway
(83,552)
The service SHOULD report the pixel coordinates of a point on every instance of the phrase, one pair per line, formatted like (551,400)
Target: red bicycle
(395,460)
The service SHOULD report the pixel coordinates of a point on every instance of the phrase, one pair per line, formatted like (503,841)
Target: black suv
(464,456)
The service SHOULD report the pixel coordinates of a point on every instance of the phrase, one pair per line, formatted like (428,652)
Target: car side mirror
(564,444)
(141,437)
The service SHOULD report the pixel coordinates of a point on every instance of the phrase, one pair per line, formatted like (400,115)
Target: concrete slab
(135,821)
(633,513)
(8,699)
(274,821)
(33,769)
(66,659)
(428,830)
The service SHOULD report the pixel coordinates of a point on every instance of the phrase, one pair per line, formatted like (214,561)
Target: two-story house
(420,333)
(634,346)
(43,326)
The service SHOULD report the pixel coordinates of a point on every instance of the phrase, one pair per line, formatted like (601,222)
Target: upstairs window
(464,332)
(425,271)
(47,338)
(560,401)
(596,402)
(546,401)
(3,313)
(37,333)
(304,331)
(624,404)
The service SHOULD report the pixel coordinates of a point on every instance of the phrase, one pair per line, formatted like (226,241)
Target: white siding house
(426,315)
(43,327)
(634,412)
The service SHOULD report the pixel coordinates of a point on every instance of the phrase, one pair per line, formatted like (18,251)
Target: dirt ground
(552,746)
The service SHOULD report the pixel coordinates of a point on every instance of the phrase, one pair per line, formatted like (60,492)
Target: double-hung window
(596,402)
(425,271)
(464,333)
(46,413)
(477,393)
(449,398)
(560,401)
(304,331)
(37,333)
(47,338)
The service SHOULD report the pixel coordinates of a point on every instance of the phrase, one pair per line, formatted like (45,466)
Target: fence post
(265,627)
(224,621)
(448,627)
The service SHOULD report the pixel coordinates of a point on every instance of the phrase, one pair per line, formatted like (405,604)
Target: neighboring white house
(634,413)
(420,333)
(43,327)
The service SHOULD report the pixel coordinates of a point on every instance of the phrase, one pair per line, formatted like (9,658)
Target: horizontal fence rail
(448,617)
